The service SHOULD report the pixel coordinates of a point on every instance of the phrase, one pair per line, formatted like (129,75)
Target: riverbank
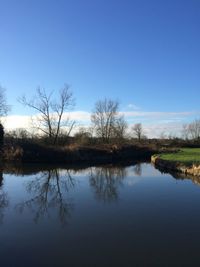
(185,160)
(74,154)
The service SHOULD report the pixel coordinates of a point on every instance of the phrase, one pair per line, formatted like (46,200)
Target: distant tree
(172,136)
(50,118)
(1,137)
(19,133)
(106,120)
(120,128)
(4,107)
(185,132)
(163,135)
(191,130)
(138,131)
(194,129)
(83,135)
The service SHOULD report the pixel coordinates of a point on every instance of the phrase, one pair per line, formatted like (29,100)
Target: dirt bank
(175,166)
(35,153)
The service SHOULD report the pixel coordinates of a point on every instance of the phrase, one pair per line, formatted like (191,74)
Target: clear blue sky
(141,52)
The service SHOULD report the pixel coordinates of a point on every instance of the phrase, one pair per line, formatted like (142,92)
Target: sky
(142,53)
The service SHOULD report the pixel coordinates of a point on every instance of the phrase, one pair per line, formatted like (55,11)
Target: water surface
(98,216)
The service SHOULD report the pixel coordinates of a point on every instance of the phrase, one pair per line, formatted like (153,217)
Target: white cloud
(20,121)
(157,114)
(82,116)
(154,123)
(16,121)
(133,107)
(157,123)
(167,129)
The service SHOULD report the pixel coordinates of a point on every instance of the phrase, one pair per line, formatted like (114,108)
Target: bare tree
(194,129)
(106,119)
(191,130)
(4,108)
(138,131)
(185,131)
(50,118)
(66,101)
(120,128)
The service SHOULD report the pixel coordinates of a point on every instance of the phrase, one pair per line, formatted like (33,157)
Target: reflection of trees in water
(3,204)
(106,181)
(3,199)
(1,178)
(49,190)
(137,169)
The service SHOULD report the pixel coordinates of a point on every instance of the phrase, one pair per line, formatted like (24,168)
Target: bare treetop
(107,121)
(192,130)
(138,131)
(50,118)
(4,107)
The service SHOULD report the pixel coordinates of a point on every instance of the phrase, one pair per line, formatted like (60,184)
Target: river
(98,216)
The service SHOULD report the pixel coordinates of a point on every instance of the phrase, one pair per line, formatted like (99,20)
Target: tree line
(52,120)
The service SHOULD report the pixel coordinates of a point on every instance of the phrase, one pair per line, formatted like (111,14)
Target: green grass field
(187,156)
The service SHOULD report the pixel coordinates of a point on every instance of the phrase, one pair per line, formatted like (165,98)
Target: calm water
(103,216)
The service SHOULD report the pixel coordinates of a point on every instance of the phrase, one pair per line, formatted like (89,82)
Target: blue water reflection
(98,216)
